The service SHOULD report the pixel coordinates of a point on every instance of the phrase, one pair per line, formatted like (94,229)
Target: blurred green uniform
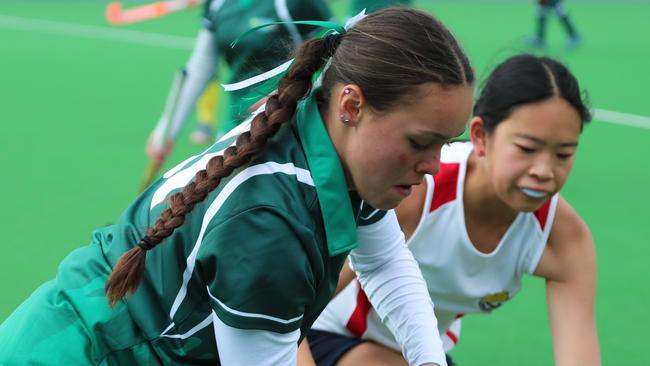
(372,5)
(267,48)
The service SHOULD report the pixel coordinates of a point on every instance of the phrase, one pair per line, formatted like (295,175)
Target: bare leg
(305,358)
(371,354)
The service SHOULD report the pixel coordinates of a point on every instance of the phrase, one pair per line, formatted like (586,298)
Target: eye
(564,156)
(417,146)
(525,149)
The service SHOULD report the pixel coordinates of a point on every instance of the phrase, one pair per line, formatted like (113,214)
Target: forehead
(438,108)
(552,119)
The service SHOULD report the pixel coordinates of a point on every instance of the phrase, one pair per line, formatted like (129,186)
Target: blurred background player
(206,107)
(543,8)
(223,22)
(206,114)
(491,215)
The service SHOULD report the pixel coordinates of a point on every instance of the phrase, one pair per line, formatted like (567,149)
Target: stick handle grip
(149,174)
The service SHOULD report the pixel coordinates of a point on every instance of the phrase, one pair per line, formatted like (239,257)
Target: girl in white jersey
(489,216)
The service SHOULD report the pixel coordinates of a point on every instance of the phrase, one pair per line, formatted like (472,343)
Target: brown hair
(387,54)
(392,51)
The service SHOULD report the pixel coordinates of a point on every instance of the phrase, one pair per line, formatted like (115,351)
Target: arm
(569,266)
(185,91)
(199,70)
(391,278)
(253,346)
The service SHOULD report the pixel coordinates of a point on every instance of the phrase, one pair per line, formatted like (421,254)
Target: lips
(405,190)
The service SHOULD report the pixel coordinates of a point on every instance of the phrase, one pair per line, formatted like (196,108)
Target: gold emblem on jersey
(493,301)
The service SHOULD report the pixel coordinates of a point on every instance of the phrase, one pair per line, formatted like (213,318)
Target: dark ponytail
(524,79)
(280,108)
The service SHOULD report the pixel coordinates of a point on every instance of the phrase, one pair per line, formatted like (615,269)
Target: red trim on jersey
(453,337)
(446,181)
(542,213)
(358,322)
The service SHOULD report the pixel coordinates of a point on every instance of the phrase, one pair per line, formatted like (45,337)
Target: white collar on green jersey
(327,173)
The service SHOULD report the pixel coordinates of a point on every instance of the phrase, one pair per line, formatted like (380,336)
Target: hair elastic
(146,243)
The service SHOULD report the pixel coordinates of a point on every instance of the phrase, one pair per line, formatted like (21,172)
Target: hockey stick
(149,174)
(116,15)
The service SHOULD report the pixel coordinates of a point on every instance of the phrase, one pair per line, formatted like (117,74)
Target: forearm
(391,278)
(569,266)
(573,327)
(400,297)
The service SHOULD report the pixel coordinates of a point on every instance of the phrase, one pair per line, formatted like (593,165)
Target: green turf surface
(77,108)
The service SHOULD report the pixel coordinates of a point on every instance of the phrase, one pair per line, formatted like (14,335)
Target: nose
(542,169)
(429,165)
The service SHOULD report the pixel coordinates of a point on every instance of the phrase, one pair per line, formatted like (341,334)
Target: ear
(478,135)
(351,102)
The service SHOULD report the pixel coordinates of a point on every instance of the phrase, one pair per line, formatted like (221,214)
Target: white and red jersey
(461,279)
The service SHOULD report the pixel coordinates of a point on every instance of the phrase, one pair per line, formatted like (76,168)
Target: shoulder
(453,158)
(570,249)
(278,177)
(568,226)
(456,152)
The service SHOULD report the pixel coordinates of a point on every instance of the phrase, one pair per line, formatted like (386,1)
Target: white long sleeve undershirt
(391,278)
(200,68)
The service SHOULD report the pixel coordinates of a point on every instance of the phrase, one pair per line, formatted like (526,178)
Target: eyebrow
(542,142)
(440,136)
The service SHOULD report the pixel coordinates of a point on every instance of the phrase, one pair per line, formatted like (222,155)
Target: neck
(330,116)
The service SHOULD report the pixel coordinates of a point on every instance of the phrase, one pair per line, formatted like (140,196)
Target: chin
(384,203)
(528,206)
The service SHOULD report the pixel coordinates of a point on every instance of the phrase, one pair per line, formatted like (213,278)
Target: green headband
(329,26)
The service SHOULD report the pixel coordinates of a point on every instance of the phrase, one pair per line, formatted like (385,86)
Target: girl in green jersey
(230,256)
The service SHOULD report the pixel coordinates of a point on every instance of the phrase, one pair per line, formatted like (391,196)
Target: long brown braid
(280,107)
(388,54)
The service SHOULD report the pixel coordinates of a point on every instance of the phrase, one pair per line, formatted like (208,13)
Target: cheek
(402,159)
(504,176)
(562,173)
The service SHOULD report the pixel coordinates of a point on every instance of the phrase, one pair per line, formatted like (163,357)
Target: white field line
(619,118)
(187,43)
(94,32)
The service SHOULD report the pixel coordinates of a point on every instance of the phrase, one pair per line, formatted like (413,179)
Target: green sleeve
(257,271)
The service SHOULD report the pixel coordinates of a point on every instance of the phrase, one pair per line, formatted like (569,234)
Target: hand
(155,151)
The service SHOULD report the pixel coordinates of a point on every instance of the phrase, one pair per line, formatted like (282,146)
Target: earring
(346,91)
(345,120)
